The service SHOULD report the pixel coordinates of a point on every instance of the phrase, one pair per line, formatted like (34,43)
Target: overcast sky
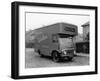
(37,20)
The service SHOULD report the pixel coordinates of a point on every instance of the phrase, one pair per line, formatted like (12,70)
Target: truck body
(56,38)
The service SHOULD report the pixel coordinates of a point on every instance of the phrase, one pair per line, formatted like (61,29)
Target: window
(54,38)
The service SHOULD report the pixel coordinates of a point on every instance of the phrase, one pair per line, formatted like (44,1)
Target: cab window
(54,38)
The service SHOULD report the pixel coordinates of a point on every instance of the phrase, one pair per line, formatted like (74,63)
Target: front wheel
(70,58)
(55,57)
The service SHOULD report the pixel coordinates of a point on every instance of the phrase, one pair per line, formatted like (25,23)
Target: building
(86,27)
(83,45)
(78,38)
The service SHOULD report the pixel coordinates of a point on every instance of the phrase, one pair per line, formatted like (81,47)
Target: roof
(59,23)
(86,24)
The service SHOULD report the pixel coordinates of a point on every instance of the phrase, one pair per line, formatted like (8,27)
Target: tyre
(55,57)
(39,52)
(70,58)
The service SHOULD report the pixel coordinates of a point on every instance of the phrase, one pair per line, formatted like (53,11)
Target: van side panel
(45,43)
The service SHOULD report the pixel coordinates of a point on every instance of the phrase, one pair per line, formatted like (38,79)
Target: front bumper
(67,53)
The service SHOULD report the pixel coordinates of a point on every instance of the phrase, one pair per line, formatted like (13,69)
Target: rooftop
(86,24)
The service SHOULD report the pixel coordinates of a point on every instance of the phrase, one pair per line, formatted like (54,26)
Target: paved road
(33,60)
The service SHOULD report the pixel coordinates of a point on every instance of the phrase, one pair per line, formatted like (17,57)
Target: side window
(54,38)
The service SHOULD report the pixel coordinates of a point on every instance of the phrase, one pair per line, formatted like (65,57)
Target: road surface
(33,60)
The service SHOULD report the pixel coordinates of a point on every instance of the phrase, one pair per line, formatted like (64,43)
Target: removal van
(56,40)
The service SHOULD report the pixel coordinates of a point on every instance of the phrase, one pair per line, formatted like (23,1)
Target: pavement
(33,60)
(82,54)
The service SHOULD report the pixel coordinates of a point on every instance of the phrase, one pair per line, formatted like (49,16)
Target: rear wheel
(55,57)
(39,52)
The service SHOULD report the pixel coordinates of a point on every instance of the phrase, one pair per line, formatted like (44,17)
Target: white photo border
(49,70)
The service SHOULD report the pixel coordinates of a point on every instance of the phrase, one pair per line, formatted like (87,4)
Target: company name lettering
(69,29)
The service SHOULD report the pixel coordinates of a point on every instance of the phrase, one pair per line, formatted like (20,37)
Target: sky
(38,20)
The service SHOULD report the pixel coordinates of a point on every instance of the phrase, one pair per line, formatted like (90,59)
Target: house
(83,45)
(86,27)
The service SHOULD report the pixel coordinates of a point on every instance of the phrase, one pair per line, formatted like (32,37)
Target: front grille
(70,51)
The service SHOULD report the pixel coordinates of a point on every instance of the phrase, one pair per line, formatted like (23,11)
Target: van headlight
(74,52)
(64,52)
